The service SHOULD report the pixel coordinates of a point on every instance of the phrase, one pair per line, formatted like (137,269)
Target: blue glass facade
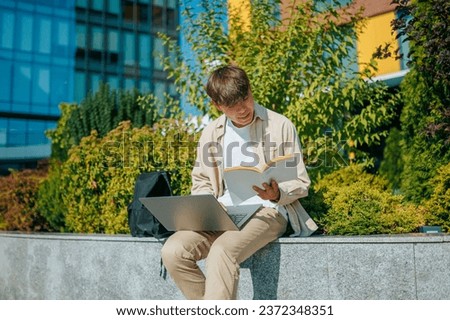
(54,51)
(37,67)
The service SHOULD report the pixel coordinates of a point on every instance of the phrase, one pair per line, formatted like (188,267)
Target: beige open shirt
(275,135)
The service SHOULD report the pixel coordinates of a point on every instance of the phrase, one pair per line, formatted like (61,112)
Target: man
(245,134)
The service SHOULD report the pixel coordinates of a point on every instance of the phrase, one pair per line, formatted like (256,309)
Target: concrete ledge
(70,266)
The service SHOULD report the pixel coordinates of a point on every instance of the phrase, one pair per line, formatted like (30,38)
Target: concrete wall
(66,266)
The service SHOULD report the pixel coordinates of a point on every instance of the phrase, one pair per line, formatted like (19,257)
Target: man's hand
(270,191)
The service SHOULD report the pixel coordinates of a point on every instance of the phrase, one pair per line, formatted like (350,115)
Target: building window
(159,90)
(130,50)
(113,46)
(142,13)
(44,36)
(6,30)
(81,3)
(16,134)
(59,85)
(5,80)
(26,33)
(97,5)
(96,44)
(171,15)
(114,7)
(157,13)
(322,5)
(63,34)
(3,127)
(41,86)
(144,51)
(144,86)
(81,41)
(81,36)
(22,84)
(61,44)
(135,12)
(97,39)
(172,90)
(80,86)
(113,82)
(158,53)
(95,82)
(129,84)
(128,11)
(35,132)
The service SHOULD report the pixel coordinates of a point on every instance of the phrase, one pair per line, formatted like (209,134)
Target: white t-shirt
(238,151)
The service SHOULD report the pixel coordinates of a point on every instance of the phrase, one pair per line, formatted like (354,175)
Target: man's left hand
(270,191)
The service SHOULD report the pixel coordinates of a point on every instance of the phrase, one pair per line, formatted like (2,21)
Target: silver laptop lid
(193,212)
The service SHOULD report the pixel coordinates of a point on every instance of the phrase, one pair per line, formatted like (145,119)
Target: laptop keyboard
(236,218)
(237,213)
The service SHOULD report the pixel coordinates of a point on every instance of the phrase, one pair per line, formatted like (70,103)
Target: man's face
(241,114)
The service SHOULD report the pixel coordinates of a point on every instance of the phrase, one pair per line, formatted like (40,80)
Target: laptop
(198,213)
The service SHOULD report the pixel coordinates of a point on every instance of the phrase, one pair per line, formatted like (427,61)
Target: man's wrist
(278,197)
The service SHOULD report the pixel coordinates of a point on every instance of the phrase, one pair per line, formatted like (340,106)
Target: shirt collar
(260,112)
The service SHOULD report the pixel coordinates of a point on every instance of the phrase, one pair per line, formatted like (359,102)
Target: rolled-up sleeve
(298,187)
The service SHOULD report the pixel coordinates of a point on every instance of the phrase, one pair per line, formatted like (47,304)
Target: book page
(280,169)
(239,183)
(240,180)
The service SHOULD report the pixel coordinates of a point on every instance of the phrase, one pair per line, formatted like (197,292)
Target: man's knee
(181,246)
(221,250)
(172,250)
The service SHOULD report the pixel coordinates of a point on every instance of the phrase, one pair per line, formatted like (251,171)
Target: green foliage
(357,209)
(347,176)
(422,153)
(102,111)
(61,137)
(298,67)
(425,120)
(18,203)
(49,200)
(392,164)
(357,202)
(99,175)
(439,203)
(426,26)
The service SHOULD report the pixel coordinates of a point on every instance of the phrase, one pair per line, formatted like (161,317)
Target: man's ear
(218,107)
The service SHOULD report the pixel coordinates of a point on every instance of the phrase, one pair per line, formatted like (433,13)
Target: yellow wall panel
(378,32)
(241,8)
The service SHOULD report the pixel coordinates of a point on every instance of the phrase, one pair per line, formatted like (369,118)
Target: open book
(240,180)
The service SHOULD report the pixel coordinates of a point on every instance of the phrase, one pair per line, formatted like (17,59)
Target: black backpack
(141,222)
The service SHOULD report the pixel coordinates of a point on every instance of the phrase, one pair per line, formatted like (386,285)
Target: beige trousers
(223,251)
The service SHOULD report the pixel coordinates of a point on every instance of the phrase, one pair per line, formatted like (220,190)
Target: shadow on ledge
(265,271)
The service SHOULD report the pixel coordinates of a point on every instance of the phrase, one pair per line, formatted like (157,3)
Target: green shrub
(50,203)
(347,176)
(439,203)
(422,153)
(425,91)
(392,164)
(315,206)
(18,203)
(359,209)
(328,185)
(102,111)
(354,201)
(98,177)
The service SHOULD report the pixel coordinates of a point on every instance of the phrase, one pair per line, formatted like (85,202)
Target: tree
(297,65)
(102,111)
(425,119)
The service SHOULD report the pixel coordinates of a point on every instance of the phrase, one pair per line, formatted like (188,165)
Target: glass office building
(54,51)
